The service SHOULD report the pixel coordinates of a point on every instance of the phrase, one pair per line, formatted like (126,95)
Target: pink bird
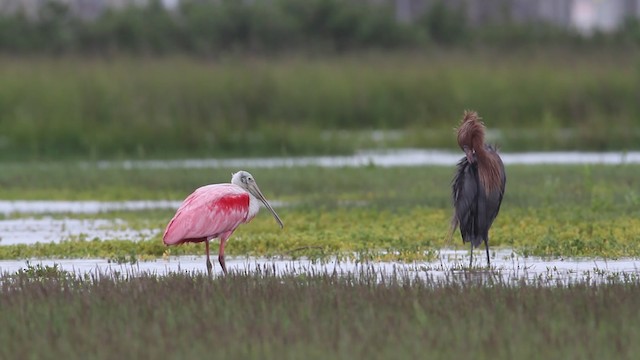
(215,211)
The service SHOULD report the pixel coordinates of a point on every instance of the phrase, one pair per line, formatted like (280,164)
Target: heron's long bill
(255,191)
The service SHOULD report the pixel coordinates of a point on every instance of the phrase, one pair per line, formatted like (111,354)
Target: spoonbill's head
(247,182)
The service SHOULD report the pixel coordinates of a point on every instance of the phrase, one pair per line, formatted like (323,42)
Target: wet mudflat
(386,216)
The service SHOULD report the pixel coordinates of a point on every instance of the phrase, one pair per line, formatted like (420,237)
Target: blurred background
(146,79)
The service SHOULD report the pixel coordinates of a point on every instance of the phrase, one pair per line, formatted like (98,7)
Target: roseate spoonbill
(478,185)
(215,211)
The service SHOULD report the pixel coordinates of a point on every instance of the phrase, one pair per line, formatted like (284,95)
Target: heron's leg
(471,256)
(486,246)
(209,265)
(221,255)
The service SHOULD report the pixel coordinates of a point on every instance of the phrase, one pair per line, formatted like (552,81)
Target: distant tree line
(207,28)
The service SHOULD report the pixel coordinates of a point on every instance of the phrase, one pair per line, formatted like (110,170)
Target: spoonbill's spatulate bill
(215,211)
(478,185)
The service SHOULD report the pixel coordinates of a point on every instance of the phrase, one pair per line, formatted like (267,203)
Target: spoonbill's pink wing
(208,212)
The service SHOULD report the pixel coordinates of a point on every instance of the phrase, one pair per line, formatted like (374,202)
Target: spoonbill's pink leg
(221,256)
(209,265)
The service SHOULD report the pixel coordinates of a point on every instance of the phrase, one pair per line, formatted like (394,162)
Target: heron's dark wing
(464,191)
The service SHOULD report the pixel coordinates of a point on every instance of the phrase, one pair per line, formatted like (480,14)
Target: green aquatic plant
(357,233)
(42,272)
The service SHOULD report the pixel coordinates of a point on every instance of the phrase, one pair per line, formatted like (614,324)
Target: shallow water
(506,266)
(47,230)
(8,207)
(387,158)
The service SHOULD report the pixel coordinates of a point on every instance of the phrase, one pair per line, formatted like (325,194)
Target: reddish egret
(478,185)
(215,211)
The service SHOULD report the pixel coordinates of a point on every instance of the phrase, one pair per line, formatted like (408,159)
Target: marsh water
(29,222)
(386,158)
(507,266)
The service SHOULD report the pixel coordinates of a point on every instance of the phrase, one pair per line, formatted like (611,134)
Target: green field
(173,107)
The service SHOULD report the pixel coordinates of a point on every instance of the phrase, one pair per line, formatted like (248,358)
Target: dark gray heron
(478,185)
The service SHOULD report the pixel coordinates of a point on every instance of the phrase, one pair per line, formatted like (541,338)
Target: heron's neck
(481,152)
(489,169)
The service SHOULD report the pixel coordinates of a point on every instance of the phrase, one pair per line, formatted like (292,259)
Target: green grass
(47,314)
(175,107)
(367,213)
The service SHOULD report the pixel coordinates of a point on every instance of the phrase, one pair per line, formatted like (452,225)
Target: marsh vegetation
(74,107)
(48,313)
(369,213)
